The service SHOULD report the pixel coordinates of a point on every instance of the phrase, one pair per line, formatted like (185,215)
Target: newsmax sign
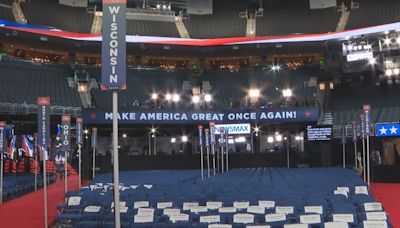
(137,116)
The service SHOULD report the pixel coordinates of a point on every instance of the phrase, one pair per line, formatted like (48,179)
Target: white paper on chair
(258,226)
(210,219)
(295,226)
(198,209)
(373,206)
(314,209)
(375,224)
(361,190)
(171,211)
(121,204)
(219,226)
(336,225)
(145,211)
(241,204)
(227,210)
(213,205)
(381,215)
(74,200)
(256,210)
(179,218)
(92,209)
(143,218)
(310,219)
(148,186)
(266,203)
(275,217)
(139,204)
(121,209)
(284,209)
(341,192)
(188,205)
(346,189)
(163,205)
(349,218)
(243,218)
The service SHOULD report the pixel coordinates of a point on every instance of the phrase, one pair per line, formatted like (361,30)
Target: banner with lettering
(281,115)
(113,46)
(2,136)
(44,125)
(65,137)
(79,131)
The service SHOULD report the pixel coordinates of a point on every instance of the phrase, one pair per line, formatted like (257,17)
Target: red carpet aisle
(389,196)
(27,211)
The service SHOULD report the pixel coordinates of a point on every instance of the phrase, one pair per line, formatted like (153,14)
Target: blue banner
(65,138)
(212,133)
(362,126)
(44,125)
(113,46)
(200,135)
(94,138)
(283,115)
(2,136)
(79,131)
(206,136)
(385,130)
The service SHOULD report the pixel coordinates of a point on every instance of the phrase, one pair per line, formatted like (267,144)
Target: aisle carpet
(28,210)
(389,196)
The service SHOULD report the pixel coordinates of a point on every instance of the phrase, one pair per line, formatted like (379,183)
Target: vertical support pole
(116,161)
(44,150)
(65,171)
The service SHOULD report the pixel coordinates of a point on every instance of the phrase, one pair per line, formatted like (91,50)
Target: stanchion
(94,163)
(363,160)
(287,153)
(66,171)
(368,167)
(45,186)
(1,178)
(116,161)
(201,162)
(208,161)
(80,165)
(213,153)
(35,151)
(355,155)
(2,149)
(344,155)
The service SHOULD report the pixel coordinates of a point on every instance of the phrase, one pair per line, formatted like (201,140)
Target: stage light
(154,96)
(124,135)
(231,141)
(168,97)
(276,68)
(398,40)
(278,138)
(195,99)
(153,130)
(372,61)
(254,93)
(387,41)
(287,93)
(184,138)
(396,71)
(176,97)
(207,98)
(388,72)
(297,138)
(256,129)
(158,6)
(86,131)
(270,139)
(173,140)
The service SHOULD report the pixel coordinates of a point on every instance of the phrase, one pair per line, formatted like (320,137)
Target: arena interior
(200,113)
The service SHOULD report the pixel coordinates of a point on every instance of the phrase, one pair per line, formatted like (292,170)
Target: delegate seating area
(15,186)
(373,12)
(256,197)
(140,85)
(22,82)
(74,19)
(151,28)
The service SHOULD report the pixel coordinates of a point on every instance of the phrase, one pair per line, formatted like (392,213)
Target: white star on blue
(388,129)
